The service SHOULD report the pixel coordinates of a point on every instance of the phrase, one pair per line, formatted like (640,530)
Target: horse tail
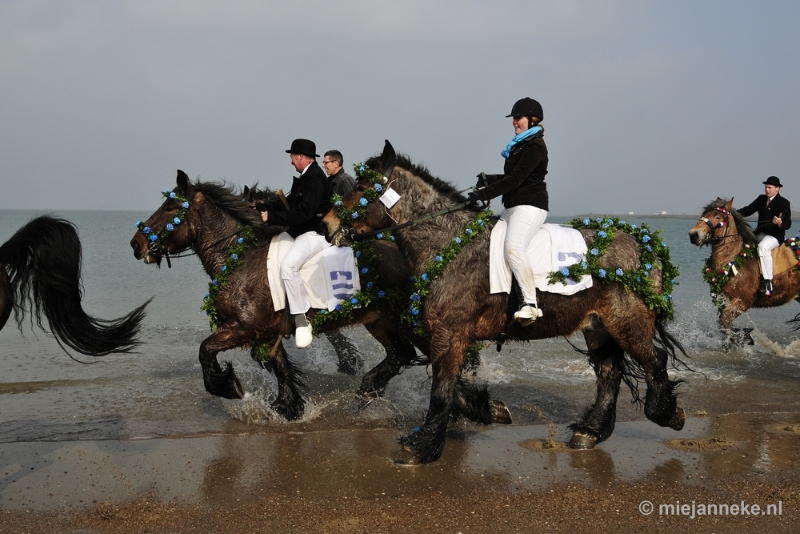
(42,262)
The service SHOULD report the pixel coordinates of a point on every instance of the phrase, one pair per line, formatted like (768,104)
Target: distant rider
(524,197)
(774,218)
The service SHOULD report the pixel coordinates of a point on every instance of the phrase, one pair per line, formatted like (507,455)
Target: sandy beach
(517,478)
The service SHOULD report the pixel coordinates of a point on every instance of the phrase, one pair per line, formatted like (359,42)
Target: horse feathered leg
(350,359)
(597,423)
(289,403)
(218,381)
(400,353)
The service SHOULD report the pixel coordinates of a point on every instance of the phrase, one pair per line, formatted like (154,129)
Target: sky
(649,106)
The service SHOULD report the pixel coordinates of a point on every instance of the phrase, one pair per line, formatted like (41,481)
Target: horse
(40,274)
(459,309)
(209,217)
(733,270)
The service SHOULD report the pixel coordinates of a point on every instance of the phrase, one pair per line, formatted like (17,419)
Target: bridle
(720,224)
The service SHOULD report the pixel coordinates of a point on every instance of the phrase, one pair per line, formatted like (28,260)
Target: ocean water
(45,395)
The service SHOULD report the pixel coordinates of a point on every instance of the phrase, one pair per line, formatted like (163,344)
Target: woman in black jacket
(524,197)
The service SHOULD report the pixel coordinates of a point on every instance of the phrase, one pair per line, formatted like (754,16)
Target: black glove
(480,182)
(473,197)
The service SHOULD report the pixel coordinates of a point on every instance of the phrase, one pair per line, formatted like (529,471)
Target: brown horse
(40,273)
(459,309)
(730,236)
(208,218)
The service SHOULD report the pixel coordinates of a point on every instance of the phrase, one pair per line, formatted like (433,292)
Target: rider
(524,197)
(309,201)
(774,218)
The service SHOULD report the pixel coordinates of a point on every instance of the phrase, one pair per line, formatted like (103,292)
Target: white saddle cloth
(330,276)
(552,248)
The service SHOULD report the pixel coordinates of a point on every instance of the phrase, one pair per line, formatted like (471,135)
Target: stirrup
(527,314)
(302,334)
(766,288)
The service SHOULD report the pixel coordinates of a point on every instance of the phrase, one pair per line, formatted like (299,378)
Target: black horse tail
(42,262)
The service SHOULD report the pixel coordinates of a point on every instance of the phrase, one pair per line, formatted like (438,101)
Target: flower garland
(180,213)
(716,280)
(369,195)
(247,239)
(794,243)
(654,252)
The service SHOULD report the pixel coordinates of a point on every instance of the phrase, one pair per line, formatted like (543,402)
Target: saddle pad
(783,259)
(552,248)
(329,276)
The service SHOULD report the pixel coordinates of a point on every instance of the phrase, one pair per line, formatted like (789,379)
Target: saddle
(329,276)
(783,259)
(552,248)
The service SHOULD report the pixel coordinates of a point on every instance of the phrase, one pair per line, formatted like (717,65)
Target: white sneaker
(527,314)
(302,334)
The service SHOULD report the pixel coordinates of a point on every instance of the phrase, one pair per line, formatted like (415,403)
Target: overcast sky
(649,106)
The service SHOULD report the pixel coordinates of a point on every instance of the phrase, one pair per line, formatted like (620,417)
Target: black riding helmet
(527,107)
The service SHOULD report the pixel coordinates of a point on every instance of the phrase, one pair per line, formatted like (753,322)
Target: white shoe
(302,334)
(527,314)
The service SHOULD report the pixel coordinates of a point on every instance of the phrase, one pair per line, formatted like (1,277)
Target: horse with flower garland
(232,244)
(40,273)
(732,271)
(622,317)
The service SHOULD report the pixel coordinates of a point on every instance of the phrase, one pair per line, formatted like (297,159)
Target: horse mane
(444,188)
(230,200)
(741,224)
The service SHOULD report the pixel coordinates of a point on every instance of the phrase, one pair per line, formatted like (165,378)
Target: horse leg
(218,381)
(735,336)
(400,353)
(289,403)
(597,423)
(350,360)
(447,357)
(475,404)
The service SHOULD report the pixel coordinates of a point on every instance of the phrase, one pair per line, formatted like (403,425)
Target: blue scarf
(520,137)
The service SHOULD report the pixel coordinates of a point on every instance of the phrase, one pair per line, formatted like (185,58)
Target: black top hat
(303,146)
(773,180)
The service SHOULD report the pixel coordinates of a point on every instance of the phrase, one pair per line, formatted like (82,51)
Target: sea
(46,395)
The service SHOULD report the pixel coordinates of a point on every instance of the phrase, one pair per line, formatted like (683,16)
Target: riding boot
(302,333)
(527,314)
(766,287)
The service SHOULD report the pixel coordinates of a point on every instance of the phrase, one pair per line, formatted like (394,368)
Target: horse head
(714,224)
(167,230)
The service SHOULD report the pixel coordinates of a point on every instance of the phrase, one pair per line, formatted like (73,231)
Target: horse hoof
(581,441)
(500,413)
(678,420)
(407,457)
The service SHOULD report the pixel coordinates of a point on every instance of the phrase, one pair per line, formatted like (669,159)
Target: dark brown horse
(731,239)
(40,273)
(212,217)
(459,309)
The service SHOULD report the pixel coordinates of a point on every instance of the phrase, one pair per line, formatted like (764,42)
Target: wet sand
(517,478)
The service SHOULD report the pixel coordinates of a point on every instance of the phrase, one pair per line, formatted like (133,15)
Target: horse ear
(246,192)
(388,156)
(183,181)
(729,205)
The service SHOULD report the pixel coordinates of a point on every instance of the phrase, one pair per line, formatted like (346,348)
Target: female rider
(524,197)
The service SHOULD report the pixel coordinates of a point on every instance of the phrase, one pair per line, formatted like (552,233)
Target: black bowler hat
(773,180)
(303,146)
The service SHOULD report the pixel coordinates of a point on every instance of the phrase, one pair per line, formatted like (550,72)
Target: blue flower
(391,237)
(363,201)
(337,203)
(480,221)
(369,285)
(362,169)
(240,240)
(323,312)
(154,237)
(207,295)
(223,268)
(379,236)
(622,223)
(365,270)
(594,252)
(214,282)
(633,227)
(185,205)
(138,223)
(176,220)
(381,294)
(584,265)
(638,278)
(439,259)
(354,215)
(170,227)
(358,253)
(565,271)
(172,195)
(235,257)
(645,238)
(353,301)
(619,272)
(338,307)
(411,278)
(457,240)
(602,273)
(648,266)
(415,296)
(664,244)
(146,230)
(648,248)
(605,225)
(644,230)
(602,234)
(669,297)
(611,221)
(414,311)
(599,219)
(378,187)
(469,231)
(424,276)
(586,221)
